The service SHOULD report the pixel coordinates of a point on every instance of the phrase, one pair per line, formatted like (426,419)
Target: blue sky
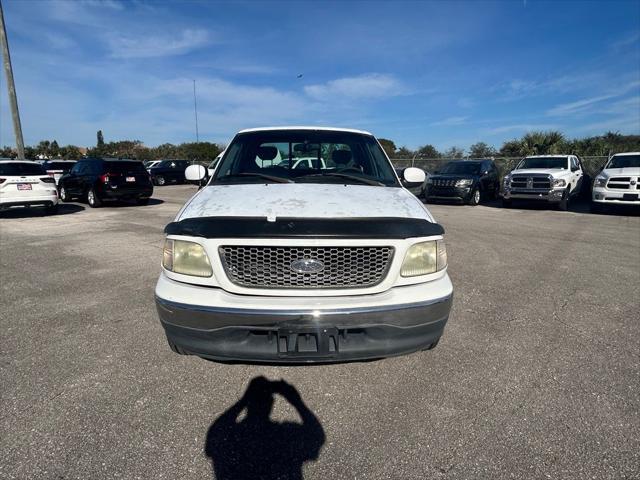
(444,73)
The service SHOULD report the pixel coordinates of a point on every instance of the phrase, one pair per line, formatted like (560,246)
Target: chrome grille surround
(257,266)
(535,182)
(624,183)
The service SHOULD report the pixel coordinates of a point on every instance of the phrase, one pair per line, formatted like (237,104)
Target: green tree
(428,151)
(481,150)
(541,143)
(100,139)
(388,146)
(404,152)
(454,152)
(54,149)
(511,148)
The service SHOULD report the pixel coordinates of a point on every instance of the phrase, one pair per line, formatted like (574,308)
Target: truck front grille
(336,267)
(624,183)
(536,182)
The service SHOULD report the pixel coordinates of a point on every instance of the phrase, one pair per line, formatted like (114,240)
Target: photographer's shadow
(257,447)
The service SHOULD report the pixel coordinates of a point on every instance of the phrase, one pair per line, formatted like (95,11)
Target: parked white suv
(269,263)
(550,178)
(26,184)
(618,183)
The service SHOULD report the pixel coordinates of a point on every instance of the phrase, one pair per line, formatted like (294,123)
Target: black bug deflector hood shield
(289,227)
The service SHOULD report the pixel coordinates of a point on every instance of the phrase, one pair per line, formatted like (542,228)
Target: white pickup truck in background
(555,179)
(618,183)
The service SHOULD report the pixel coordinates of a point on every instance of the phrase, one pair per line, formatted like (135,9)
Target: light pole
(11,87)
(195,110)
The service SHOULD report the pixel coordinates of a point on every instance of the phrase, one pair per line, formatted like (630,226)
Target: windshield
(124,167)
(624,161)
(561,163)
(464,168)
(20,168)
(305,156)
(66,166)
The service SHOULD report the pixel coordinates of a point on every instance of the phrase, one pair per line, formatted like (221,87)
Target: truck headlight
(506,181)
(559,182)
(424,258)
(187,258)
(601,182)
(465,182)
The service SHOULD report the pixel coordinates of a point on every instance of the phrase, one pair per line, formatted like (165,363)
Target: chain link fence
(592,165)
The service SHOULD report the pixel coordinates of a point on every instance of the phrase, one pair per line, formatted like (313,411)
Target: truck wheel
(474,198)
(64,196)
(160,180)
(506,203)
(92,199)
(564,203)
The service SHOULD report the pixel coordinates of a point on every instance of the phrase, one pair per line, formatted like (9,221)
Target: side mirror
(413,177)
(195,173)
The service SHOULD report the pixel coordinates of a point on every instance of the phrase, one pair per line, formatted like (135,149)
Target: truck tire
(160,180)
(474,198)
(564,203)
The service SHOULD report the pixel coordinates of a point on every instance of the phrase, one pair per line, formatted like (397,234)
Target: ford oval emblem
(306,265)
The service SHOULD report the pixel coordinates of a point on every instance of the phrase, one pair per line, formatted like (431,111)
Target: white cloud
(632,38)
(584,105)
(144,46)
(523,127)
(451,121)
(371,85)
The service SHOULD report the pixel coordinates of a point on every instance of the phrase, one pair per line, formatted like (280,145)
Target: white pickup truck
(554,179)
(618,183)
(334,262)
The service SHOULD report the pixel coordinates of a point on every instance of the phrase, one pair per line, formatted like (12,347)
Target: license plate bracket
(130,179)
(24,186)
(308,342)
(630,196)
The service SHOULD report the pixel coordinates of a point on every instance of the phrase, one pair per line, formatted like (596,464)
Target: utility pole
(11,87)
(195,109)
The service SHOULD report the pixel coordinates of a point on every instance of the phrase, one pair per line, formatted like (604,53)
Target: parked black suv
(468,181)
(168,171)
(99,179)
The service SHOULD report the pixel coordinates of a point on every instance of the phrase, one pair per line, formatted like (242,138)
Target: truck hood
(629,172)
(303,201)
(541,171)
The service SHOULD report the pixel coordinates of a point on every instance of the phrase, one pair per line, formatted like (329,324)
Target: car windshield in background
(124,167)
(544,162)
(624,161)
(461,168)
(66,166)
(18,168)
(305,156)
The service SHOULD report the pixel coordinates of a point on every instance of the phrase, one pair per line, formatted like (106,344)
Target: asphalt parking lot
(537,376)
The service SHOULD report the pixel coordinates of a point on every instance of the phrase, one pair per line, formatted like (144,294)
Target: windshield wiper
(348,177)
(273,178)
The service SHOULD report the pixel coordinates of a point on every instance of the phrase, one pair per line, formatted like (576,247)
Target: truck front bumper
(552,196)
(303,329)
(605,196)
